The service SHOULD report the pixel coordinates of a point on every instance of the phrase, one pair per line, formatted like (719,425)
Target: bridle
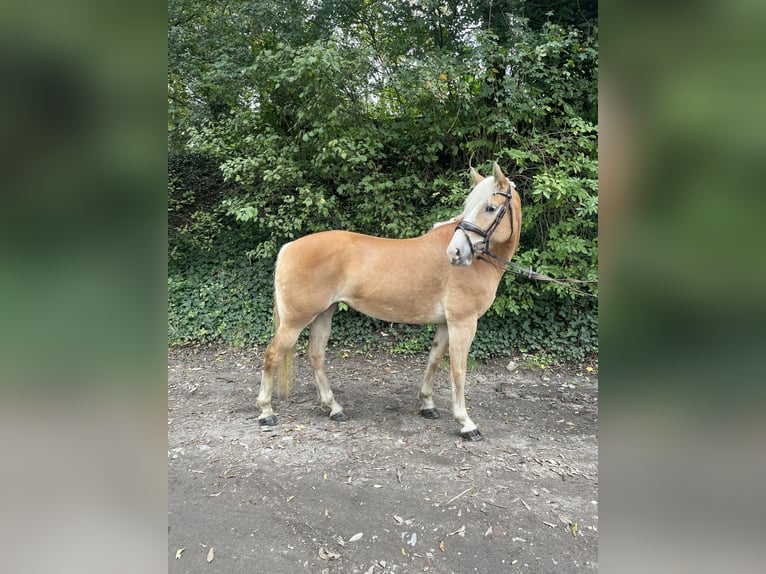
(482,247)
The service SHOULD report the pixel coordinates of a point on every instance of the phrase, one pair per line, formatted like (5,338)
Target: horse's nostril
(457,252)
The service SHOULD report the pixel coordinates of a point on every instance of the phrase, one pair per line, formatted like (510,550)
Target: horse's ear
(476,177)
(500,180)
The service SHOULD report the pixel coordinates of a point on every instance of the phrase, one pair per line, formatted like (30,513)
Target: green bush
(280,128)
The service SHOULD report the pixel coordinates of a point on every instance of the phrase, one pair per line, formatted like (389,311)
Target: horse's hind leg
(438,348)
(280,345)
(318,337)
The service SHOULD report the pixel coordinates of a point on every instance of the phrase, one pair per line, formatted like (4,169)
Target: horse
(443,277)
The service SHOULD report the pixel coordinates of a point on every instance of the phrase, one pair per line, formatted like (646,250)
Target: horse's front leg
(460,338)
(438,348)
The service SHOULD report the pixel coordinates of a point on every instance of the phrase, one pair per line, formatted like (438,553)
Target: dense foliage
(296,117)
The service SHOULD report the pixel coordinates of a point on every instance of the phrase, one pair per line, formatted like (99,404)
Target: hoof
(338,417)
(268,421)
(429,413)
(472,436)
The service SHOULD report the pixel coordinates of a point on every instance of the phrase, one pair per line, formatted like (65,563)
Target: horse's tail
(286,366)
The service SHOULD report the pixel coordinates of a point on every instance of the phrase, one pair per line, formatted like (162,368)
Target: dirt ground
(385,491)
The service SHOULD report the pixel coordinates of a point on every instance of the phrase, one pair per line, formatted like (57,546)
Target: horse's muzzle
(460,251)
(459,256)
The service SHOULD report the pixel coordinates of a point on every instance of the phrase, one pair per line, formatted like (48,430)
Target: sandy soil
(385,491)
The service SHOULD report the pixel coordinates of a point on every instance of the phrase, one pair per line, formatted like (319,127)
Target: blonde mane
(477,198)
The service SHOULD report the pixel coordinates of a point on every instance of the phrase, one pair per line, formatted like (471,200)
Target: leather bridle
(482,247)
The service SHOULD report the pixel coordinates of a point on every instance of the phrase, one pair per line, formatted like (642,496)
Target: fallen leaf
(488,532)
(211,555)
(356,537)
(324,476)
(575,527)
(398,519)
(403,552)
(325,555)
(179,552)
(441,545)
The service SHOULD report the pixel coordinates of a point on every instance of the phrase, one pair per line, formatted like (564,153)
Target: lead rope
(529,273)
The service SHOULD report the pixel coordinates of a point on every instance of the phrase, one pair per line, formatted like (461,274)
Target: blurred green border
(83,224)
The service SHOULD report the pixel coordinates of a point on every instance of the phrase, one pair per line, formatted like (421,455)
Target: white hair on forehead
(477,199)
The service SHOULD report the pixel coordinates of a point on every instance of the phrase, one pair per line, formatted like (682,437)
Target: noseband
(482,247)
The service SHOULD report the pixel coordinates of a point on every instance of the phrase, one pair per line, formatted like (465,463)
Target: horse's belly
(398,311)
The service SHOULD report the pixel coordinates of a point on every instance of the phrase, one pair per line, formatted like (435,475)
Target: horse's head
(487,218)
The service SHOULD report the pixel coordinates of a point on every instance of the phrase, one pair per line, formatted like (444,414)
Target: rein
(481,249)
(529,273)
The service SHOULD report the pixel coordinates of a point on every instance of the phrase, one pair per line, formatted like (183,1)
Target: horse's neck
(506,250)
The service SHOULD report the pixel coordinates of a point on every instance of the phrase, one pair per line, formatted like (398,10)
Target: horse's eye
(491,209)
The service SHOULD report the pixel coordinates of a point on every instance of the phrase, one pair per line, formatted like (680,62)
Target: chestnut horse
(442,277)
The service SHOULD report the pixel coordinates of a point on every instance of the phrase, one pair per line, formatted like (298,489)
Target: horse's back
(312,246)
(359,252)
